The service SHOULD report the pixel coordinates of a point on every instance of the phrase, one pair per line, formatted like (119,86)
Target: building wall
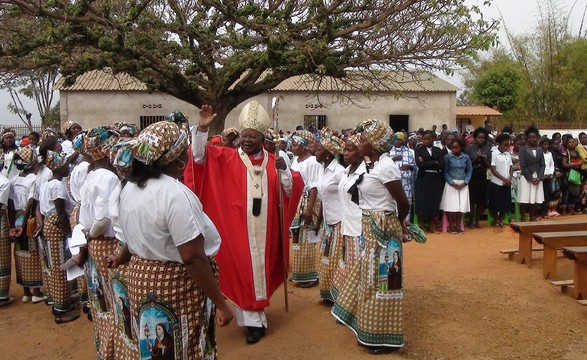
(93,108)
(424,109)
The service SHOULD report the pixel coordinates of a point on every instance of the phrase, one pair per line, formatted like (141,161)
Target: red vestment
(221,185)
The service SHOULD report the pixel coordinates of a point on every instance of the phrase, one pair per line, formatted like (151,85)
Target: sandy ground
(463,300)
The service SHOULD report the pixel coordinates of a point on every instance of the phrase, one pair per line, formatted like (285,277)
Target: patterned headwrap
(55,160)
(355,139)
(333,144)
(177,117)
(78,143)
(8,131)
(400,136)
(378,133)
(99,140)
(233,131)
(124,126)
(161,143)
(26,157)
(49,132)
(303,137)
(68,124)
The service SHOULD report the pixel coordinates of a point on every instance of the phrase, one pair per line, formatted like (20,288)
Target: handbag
(574,177)
(31,227)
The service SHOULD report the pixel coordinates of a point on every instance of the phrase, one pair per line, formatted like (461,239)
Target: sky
(519,16)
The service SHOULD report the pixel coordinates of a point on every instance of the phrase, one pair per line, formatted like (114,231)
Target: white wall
(424,109)
(93,108)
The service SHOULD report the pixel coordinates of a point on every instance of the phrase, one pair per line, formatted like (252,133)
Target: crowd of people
(171,224)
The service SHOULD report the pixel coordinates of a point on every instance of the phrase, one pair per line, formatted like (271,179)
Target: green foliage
(222,52)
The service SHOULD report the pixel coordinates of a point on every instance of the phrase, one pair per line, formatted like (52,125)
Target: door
(399,123)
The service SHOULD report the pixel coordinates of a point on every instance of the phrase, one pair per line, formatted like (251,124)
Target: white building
(407,101)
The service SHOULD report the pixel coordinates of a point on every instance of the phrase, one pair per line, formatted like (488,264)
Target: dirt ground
(463,300)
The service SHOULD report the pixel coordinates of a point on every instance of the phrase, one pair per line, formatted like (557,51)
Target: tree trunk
(218,124)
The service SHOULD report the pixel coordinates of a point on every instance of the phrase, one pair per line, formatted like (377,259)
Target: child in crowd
(532,166)
(500,199)
(455,198)
(548,174)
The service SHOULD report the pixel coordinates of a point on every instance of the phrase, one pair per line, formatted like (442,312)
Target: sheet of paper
(78,238)
(313,238)
(73,271)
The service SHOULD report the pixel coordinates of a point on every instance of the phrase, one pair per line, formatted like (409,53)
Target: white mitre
(254,116)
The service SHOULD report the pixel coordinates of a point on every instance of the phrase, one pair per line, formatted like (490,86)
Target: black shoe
(308,284)
(66,317)
(382,350)
(254,334)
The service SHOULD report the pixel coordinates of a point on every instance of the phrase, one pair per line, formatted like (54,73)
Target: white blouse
(95,196)
(327,186)
(77,179)
(157,219)
(351,213)
(374,196)
(51,191)
(309,169)
(43,176)
(22,190)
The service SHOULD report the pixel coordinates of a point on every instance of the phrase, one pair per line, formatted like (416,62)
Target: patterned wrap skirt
(330,255)
(171,316)
(27,261)
(351,248)
(100,297)
(304,251)
(370,302)
(125,344)
(5,255)
(54,253)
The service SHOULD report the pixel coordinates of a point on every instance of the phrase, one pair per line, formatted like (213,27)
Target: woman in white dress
(305,221)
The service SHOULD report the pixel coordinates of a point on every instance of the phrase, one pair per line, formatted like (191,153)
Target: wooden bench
(553,241)
(526,229)
(579,255)
(513,252)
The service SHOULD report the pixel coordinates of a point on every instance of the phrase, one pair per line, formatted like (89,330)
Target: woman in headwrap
(305,221)
(373,312)
(9,148)
(100,182)
(170,243)
(329,148)
(350,213)
(20,207)
(70,130)
(55,207)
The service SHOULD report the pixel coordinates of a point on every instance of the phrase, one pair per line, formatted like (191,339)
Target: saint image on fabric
(157,338)
(96,287)
(390,267)
(122,307)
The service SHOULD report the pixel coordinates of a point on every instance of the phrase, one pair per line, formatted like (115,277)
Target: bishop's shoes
(254,334)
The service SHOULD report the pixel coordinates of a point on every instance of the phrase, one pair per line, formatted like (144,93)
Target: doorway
(399,123)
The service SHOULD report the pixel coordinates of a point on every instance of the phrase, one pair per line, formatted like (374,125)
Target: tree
(33,84)
(222,52)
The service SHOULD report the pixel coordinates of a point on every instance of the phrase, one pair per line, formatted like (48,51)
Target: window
(145,121)
(399,122)
(316,121)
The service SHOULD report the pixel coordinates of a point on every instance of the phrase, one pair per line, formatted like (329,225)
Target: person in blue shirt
(457,173)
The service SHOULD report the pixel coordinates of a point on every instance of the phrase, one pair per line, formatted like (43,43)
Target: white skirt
(455,200)
(529,193)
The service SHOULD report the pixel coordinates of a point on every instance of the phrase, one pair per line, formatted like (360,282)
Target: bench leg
(525,241)
(549,263)
(580,280)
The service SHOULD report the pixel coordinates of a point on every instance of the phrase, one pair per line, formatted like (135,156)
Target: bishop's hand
(207,115)
(280,163)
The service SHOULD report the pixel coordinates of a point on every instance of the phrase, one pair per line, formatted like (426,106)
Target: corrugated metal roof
(102,80)
(477,111)
(374,81)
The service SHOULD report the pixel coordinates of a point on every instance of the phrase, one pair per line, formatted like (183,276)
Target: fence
(22,130)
